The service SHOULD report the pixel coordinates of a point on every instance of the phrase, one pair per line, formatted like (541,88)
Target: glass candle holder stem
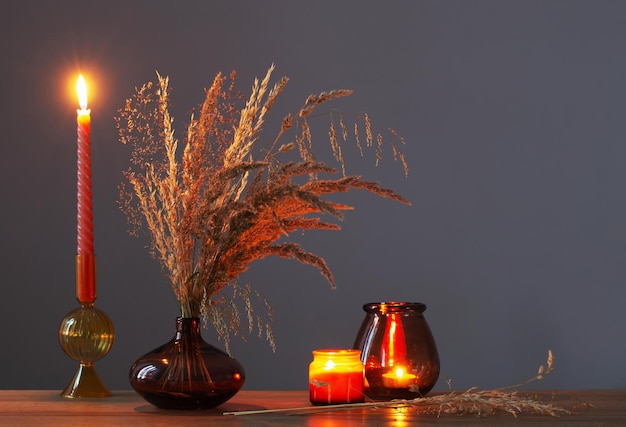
(86,334)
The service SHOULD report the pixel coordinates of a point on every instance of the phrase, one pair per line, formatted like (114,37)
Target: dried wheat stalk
(470,402)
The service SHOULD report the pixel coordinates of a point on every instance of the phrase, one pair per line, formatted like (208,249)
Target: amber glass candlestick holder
(86,334)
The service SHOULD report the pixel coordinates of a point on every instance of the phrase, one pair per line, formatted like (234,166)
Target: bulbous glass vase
(187,372)
(398,351)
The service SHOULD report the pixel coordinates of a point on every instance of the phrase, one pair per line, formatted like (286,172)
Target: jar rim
(394,307)
(337,351)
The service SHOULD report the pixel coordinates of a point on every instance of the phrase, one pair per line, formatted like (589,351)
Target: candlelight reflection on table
(390,417)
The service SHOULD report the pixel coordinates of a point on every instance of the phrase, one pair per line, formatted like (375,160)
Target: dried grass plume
(226,195)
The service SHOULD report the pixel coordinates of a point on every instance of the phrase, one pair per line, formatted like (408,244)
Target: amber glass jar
(398,351)
(335,377)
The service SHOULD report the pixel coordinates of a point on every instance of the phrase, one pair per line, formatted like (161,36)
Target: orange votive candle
(336,377)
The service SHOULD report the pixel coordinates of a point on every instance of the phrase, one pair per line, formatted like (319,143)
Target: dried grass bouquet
(231,196)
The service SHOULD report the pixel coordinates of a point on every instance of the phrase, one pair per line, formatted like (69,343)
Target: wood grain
(125,408)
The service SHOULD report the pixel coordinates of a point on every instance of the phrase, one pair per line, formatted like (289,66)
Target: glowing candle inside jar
(398,377)
(335,377)
(85,270)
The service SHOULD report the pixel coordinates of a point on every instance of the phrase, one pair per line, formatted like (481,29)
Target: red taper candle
(85,261)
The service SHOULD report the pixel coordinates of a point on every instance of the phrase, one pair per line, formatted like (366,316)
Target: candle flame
(399,373)
(81,89)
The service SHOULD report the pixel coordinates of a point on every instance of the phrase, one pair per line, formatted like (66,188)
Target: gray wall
(514,116)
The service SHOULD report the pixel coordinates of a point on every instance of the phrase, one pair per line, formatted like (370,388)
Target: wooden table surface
(46,408)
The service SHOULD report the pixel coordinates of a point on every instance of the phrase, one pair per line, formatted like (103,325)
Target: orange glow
(329,365)
(394,346)
(400,373)
(399,417)
(81,90)
(336,376)
(398,378)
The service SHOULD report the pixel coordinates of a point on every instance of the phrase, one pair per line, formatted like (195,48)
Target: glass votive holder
(336,377)
(398,351)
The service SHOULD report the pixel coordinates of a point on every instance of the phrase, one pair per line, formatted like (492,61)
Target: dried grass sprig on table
(224,198)
(475,402)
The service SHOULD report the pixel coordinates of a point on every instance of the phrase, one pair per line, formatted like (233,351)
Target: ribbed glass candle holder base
(86,334)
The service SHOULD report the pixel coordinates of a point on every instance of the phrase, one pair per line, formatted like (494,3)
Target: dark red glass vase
(398,351)
(187,372)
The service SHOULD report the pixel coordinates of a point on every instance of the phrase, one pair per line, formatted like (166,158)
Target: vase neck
(187,326)
(383,308)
